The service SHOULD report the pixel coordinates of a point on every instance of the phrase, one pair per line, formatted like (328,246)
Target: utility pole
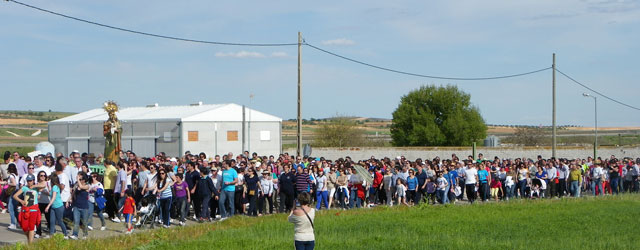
(299,130)
(553,97)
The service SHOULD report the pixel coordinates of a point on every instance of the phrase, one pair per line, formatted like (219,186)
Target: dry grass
(20,121)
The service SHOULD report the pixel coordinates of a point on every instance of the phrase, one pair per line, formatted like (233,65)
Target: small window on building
(192,136)
(265,135)
(232,135)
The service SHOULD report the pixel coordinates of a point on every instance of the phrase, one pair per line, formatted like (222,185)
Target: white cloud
(240,54)
(279,54)
(339,41)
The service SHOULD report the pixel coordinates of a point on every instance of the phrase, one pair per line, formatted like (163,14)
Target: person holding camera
(302,218)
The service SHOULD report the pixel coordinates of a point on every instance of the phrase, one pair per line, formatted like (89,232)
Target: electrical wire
(592,90)
(426,76)
(151,34)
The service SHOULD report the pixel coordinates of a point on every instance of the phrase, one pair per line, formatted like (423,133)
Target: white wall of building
(212,142)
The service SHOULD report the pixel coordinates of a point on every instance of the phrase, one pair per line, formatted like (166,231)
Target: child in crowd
(129,210)
(183,197)
(496,185)
(401,192)
(144,210)
(431,190)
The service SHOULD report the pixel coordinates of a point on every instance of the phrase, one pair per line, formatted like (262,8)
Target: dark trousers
(213,207)
(411,196)
(42,207)
(419,195)
(286,201)
(197,205)
(204,211)
(305,245)
(614,185)
(253,200)
(165,206)
(261,203)
(552,188)
(471,192)
(485,191)
(111,203)
(562,187)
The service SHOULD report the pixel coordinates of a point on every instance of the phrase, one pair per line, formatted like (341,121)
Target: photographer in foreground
(302,218)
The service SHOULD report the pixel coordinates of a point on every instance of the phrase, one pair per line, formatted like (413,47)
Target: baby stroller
(147,212)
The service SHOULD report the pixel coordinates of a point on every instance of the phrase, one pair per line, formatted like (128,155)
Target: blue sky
(48,62)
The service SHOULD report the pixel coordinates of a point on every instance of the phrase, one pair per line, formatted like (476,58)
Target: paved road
(13,236)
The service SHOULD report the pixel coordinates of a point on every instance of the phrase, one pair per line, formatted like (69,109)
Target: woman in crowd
(55,207)
(321,190)
(343,191)
(43,200)
(80,205)
(251,191)
(95,191)
(163,191)
(412,187)
(12,182)
(266,193)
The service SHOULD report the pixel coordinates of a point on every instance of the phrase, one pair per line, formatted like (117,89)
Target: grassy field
(585,223)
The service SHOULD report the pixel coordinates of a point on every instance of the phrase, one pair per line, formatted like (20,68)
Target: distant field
(584,223)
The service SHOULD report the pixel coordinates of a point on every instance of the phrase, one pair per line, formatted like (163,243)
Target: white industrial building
(212,129)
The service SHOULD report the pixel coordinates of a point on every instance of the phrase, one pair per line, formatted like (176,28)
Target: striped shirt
(302,181)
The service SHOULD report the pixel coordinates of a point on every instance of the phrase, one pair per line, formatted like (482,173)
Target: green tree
(339,132)
(437,116)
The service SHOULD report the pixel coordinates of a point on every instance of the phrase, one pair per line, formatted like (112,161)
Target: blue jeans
(615,185)
(575,188)
(55,217)
(354,200)
(322,196)
(120,204)
(13,213)
(305,245)
(510,191)
(597,183)
(165,206)
(80,215)
(92,207)
(522,185)
(224,197)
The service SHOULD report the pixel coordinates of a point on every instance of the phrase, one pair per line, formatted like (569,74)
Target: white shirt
(65,195)
(471,175)
(44,168)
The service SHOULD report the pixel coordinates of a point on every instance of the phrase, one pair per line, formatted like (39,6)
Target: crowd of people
(70,191)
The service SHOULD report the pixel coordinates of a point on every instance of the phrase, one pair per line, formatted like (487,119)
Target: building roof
(192,113)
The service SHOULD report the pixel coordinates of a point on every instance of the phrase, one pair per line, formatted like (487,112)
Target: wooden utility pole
(299,130)
(553,96)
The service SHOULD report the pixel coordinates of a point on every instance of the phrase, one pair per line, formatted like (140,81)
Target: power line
(592,90)
(151,34)
(426,76)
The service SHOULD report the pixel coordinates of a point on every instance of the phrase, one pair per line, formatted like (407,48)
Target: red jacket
(377,179)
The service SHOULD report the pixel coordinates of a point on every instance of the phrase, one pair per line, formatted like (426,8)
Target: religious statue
(112,131)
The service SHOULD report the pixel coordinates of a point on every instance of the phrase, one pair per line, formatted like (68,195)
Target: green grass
(585,223)
(23,132)
(21,150)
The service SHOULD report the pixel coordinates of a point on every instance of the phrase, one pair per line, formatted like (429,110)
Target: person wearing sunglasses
(30,171)
(43,200)
(163,191)
(29,212)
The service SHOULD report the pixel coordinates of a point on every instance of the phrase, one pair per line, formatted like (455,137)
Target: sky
(50,62)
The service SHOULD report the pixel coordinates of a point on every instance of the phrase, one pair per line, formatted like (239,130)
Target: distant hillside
(43,116)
